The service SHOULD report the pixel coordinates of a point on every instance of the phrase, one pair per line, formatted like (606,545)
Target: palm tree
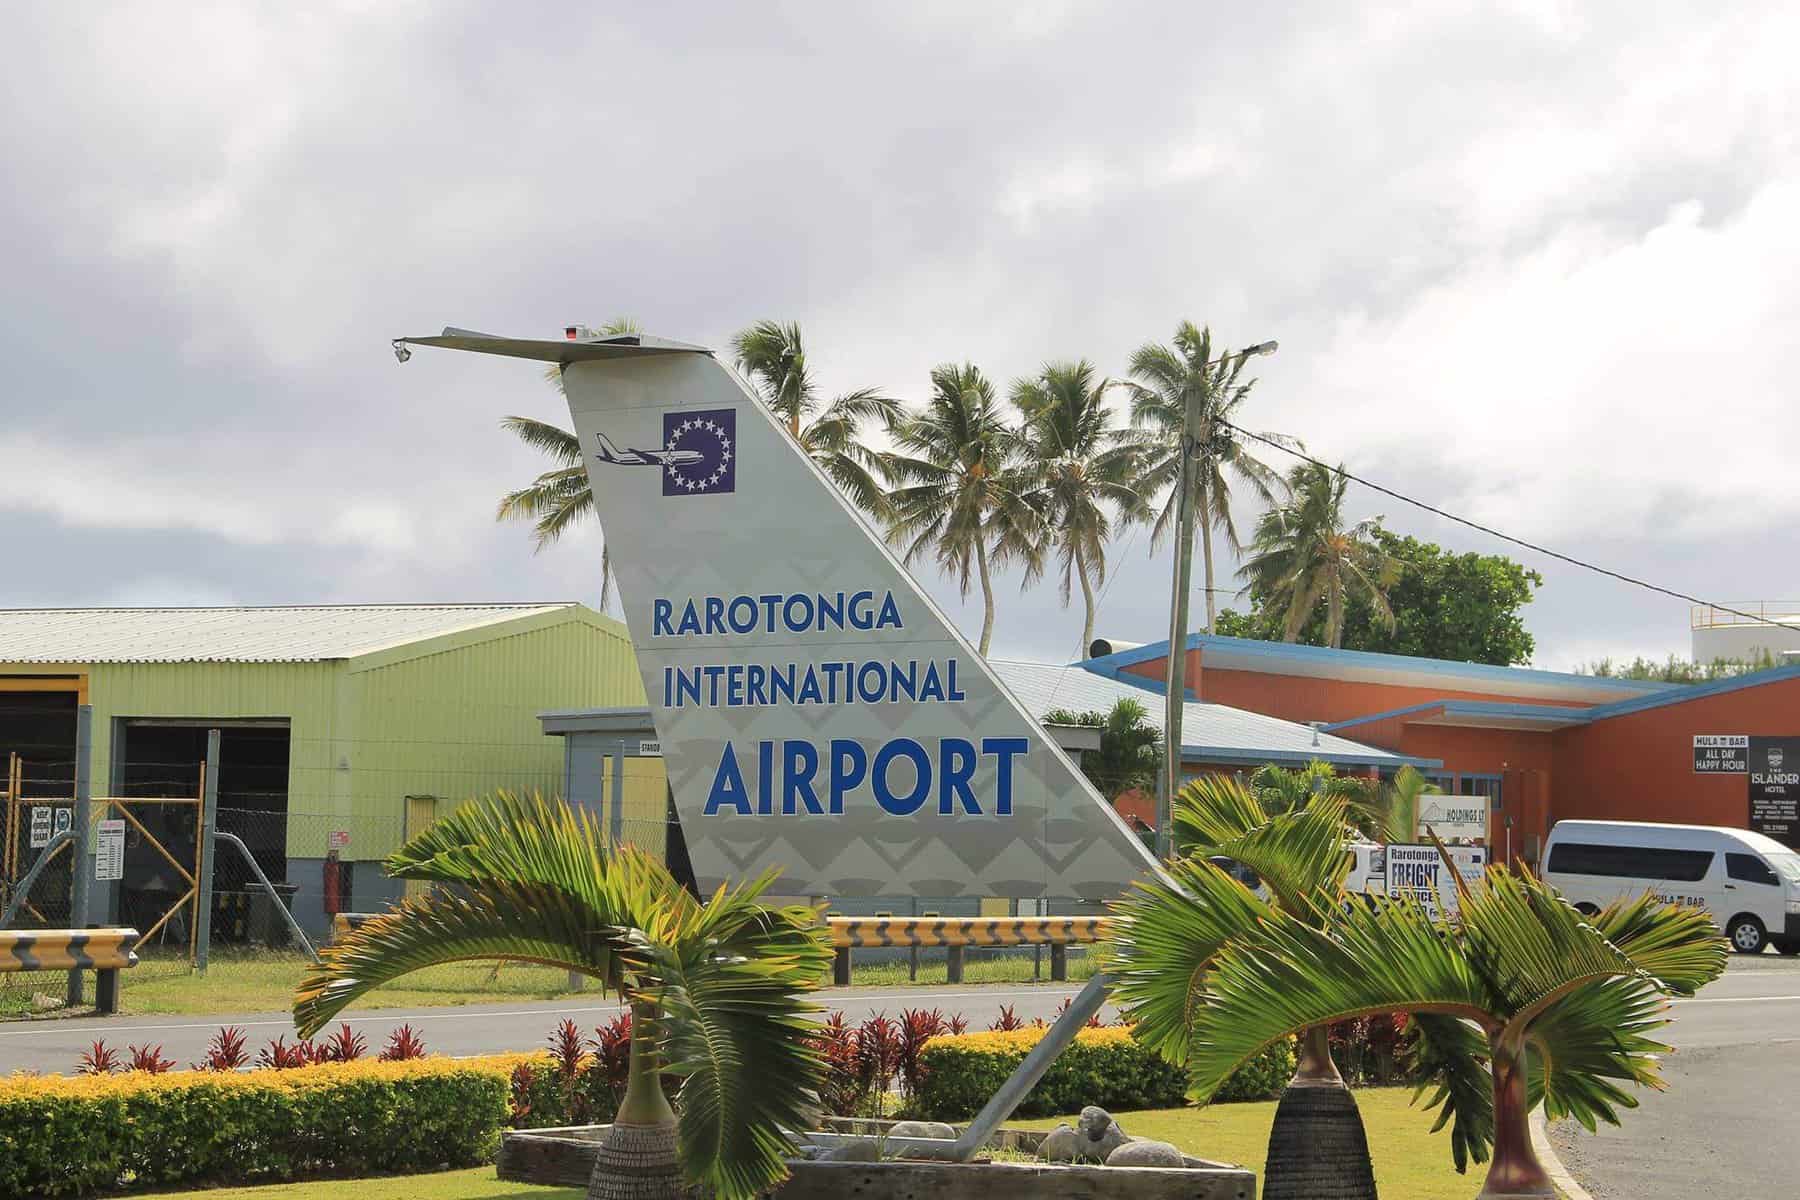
(1521,998)
(1289,789)
(960,492)
(1401,802)
(1130,753)
(1165,379)
(774,358)
(560,497)
(1303,553)
(1317,1145)
(1085,473)
(714,986)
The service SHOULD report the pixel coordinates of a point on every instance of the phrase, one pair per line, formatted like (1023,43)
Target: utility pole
(80,865)
(1193,432)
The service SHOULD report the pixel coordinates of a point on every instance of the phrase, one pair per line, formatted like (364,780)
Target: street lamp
(1176,685)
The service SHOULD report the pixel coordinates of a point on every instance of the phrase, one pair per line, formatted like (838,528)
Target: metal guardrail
(106,952)
(956,934)
(865,932)
(1749,612)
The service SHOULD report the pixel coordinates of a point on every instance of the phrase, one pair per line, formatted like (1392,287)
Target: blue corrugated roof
(1214,733)
(1294,658)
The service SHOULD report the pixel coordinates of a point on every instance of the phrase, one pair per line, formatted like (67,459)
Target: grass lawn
(245,981)
(1410,1164)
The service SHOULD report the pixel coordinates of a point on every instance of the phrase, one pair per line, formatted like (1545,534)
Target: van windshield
(1786,865)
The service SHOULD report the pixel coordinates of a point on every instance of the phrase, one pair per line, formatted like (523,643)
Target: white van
(1748,883)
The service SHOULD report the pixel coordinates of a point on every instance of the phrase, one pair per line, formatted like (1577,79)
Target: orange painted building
(1543,746)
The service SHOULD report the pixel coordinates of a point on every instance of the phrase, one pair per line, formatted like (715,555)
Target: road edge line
(1559,1174)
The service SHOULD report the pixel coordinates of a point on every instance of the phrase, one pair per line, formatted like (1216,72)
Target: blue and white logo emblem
(698,456)
(702,452)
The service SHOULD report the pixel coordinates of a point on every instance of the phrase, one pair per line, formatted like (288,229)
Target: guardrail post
(953,964)
(1059,963)
(106,992)
(79,866)
(840,967)
(209,823)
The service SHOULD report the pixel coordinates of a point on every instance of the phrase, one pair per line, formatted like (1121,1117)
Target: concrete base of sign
(565,1158)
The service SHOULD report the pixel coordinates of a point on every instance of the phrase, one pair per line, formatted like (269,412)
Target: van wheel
(1746,934)
(1789,948)
(1589,911)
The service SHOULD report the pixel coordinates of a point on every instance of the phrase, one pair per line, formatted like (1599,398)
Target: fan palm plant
(1085,470)
(558,498)
(774,358)
(1549,1006)
(714,986)
(1303,554)
(1317,1145)
(1288,789)
(1164,379)
(960,493)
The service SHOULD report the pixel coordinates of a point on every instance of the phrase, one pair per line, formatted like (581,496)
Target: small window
(1750,869)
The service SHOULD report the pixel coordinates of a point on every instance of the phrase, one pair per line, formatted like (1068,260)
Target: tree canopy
(1463,607)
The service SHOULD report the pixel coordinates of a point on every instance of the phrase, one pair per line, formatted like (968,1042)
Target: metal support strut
(293,925)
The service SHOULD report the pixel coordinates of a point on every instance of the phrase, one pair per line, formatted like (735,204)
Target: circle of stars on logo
(718,435)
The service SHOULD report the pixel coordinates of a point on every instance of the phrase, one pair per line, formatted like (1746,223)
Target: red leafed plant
(99,1059)
(226,1052)
(917,1026)
(840,1087)
(612,1053)
(1093,1021)
(343,1046)
(568,1050)
(279,1056)
(402,1044)
(956,1023)
(877,1056)
(1007,1020)
(523,1076)
(148,1059)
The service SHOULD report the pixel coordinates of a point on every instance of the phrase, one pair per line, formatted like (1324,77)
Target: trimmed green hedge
(1103,1066)
(77,1135)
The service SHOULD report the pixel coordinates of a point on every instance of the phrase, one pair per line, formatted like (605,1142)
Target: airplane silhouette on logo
(633,457)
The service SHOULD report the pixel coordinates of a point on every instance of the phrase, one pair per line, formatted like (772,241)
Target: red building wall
(1640,766)
(1309,698)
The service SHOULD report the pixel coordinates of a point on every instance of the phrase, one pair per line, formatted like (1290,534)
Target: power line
(1505,537)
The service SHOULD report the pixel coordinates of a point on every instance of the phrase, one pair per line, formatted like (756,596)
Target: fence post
(209,819)
(79,867)
(617,816)
(953,964)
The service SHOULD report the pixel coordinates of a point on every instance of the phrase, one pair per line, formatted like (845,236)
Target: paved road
(55,1045)
(1734,1083)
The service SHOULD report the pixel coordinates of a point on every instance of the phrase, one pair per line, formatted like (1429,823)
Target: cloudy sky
(1534,262)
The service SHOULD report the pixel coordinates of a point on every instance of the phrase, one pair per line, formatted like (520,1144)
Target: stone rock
(856,1150)
(1098,1135)
(921,1129)
(1146,1154)
(1060,1144)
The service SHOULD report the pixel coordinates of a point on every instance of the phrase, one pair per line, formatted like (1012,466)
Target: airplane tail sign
(816,710)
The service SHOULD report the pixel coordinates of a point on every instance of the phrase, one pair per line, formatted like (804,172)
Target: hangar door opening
(37,788)
(162,757)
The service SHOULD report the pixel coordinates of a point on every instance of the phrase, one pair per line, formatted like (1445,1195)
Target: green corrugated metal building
(343,727)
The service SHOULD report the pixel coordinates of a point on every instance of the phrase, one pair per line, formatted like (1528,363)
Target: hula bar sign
(1721,753)
(1775,788)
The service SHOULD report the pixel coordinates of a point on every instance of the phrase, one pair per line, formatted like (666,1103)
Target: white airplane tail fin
(816,710)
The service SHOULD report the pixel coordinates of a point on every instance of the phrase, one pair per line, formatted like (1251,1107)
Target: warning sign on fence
(40,826)
(109,850)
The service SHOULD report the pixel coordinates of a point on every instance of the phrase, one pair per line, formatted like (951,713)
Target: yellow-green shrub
(1102,1066)
(67,1136)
